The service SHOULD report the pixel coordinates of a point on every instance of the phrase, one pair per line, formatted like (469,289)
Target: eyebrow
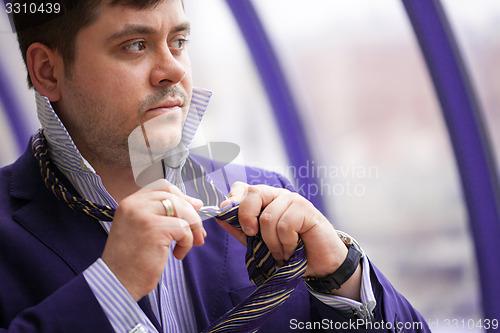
(137,29)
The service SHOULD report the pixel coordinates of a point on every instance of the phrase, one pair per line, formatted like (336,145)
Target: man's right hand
(138,243)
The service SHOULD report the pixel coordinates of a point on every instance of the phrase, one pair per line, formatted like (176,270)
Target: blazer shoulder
(22,178)
(5,180)
(267,177)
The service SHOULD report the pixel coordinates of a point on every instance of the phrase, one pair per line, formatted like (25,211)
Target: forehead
(112,18)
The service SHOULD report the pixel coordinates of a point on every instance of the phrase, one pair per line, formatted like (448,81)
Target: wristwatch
(343,273)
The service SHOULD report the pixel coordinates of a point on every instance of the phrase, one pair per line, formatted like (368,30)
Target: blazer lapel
(146,308)
(204,269)
(77,239)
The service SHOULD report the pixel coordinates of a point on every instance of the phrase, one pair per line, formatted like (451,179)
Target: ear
(45,67)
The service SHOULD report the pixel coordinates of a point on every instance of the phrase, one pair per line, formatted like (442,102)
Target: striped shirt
(171,301)
(177,314)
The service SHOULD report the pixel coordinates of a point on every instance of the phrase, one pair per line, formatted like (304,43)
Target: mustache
(153,100)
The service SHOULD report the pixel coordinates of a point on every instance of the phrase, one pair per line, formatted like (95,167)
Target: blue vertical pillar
(469,139)
(13,112)
(284,108)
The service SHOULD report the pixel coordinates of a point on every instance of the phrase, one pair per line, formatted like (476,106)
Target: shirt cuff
(348,307)
(122,311)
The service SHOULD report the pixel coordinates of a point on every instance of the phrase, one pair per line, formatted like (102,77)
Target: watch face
(348,241)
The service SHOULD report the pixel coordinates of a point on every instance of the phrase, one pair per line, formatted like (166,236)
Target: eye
(136,46)
(179,44)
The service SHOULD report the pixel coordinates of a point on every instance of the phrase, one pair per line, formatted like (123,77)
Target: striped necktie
(274,285)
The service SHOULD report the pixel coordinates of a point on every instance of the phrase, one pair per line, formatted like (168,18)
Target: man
(103,70)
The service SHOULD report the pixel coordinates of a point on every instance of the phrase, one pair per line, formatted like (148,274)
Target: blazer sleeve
(73,306)
(393,313)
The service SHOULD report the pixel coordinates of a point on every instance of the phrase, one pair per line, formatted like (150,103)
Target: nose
(167,70)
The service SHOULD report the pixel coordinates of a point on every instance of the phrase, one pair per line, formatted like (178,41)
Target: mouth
(170,107)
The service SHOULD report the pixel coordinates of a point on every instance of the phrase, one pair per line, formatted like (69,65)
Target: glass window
(239,111)
(13,73)
(381,148)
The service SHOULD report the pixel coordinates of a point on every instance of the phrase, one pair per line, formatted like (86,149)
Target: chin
(151,144)
(163,133)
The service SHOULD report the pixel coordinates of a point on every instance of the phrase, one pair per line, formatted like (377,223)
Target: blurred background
(380,148)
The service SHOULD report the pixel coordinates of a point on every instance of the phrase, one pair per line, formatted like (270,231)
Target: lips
(169,104)
(165,107)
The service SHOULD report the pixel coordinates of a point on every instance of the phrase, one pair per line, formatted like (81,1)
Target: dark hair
(58,30)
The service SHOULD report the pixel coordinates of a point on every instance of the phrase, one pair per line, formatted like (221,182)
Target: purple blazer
(45,246)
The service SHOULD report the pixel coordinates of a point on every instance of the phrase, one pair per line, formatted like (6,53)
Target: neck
(118,181)
(121,182)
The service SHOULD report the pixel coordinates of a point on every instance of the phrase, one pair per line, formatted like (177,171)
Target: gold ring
(169,207)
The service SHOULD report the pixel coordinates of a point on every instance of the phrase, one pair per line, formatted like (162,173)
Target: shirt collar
(67,157)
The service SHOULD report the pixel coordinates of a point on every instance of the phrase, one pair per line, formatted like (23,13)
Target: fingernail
(249,231)
(278,260)
(265,217)
(196,201)
(253,189)
(193,201)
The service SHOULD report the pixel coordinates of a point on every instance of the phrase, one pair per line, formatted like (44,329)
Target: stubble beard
(100,134)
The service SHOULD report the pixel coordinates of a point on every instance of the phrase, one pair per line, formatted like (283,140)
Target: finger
(250,208)
(238,191)
(269,193)
(158,185)
(186,212)
(238,234)
(290,225)
(148,201)
(199,233)
(169,207)
(166,186)
(179,230)
(196,203)
(182,209)
(268,222)
(225,203)
(153,202)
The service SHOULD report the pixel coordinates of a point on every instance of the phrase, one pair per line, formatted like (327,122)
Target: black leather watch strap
(340,276)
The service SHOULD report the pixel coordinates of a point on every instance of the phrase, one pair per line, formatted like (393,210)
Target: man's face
(131,66)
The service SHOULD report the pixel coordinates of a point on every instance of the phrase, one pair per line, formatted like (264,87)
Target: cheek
(116,92)
(109,79)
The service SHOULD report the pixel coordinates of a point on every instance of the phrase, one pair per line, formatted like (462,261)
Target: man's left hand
(284,216)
